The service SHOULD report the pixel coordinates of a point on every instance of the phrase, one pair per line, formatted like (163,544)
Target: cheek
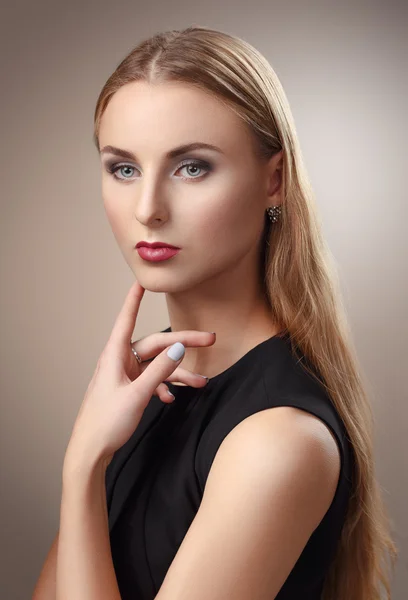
(226,230)
(117,219)
(230,218)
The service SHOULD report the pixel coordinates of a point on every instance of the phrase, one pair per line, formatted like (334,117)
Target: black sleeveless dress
(155,481)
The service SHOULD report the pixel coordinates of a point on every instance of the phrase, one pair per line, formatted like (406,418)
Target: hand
(121,388)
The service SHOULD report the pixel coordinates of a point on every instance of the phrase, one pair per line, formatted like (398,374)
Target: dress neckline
(275,339)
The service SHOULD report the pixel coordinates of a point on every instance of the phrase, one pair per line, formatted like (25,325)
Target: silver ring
(139,360)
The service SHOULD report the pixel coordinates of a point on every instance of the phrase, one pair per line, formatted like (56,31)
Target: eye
(112,169)
(194,164)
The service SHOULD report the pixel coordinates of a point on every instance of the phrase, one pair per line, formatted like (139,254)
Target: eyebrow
(169,155)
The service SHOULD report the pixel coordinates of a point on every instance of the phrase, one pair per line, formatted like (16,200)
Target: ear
(274,172)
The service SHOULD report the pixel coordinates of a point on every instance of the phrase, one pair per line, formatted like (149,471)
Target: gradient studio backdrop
(63,279)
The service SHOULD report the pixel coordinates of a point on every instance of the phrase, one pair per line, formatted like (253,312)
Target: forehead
(168,113)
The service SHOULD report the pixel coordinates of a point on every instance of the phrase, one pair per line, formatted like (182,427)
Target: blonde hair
(300,279)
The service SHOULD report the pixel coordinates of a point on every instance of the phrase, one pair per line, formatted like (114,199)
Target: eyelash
(195,163)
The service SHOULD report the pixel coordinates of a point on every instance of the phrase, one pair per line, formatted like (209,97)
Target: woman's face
(209,203)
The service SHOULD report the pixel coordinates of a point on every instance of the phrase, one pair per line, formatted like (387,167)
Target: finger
(158,370)
(163,392)
(182,376)
(125,321)
(151,345)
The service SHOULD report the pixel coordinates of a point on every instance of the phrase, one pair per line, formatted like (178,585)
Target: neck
(240,316)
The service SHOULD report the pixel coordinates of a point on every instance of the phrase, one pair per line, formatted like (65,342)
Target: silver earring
(274,213)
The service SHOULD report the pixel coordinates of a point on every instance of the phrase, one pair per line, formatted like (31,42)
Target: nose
(149,205)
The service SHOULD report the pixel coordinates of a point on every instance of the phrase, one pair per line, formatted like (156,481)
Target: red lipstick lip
(156,245)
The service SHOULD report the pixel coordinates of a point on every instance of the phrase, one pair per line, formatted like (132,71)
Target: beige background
(63,279)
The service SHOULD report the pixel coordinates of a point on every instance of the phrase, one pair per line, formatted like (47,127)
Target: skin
(275,464)
(216,217)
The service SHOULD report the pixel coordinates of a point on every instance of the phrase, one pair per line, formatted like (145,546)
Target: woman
(258,483)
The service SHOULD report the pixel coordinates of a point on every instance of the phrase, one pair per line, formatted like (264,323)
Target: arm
(271,482)
(85,568)
(275,464)
(45,588)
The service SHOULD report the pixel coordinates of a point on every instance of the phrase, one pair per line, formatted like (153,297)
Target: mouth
(157,254)
(155,245)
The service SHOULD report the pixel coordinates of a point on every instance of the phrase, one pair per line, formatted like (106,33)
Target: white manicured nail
(176,351)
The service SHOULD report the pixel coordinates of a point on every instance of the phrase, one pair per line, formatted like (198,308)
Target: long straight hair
(299,274)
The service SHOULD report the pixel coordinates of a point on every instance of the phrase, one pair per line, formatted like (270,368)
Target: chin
(165,283)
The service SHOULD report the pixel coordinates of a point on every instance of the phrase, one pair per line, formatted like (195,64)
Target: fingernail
(176,351)
(205,376)
(170,394)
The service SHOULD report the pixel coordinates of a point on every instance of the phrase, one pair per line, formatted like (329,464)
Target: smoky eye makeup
(112,166)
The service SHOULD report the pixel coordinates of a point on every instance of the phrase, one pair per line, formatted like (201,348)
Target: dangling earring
(274,213)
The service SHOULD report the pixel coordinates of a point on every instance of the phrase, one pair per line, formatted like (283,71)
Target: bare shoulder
(292,425)
(289,445)
(271,482)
